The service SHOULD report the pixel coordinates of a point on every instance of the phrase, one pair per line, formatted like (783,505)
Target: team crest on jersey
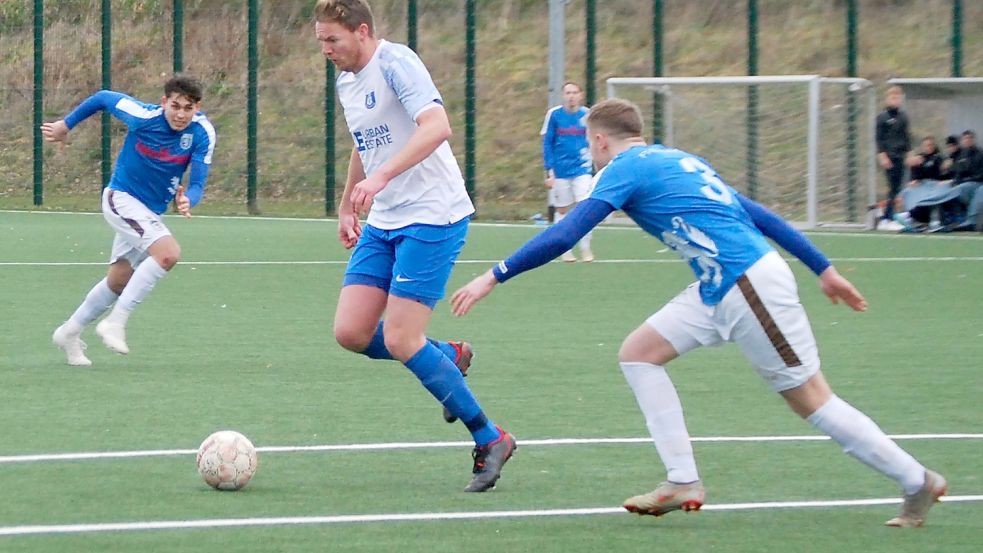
(186,140)
(370,100)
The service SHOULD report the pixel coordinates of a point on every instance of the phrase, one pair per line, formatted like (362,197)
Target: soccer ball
(226,460)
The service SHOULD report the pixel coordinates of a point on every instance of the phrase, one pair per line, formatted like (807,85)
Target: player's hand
(364,192)
(884,160)
(472,292)
(182,203)
(55,132)
(838,288)
(349,228)
(550,181)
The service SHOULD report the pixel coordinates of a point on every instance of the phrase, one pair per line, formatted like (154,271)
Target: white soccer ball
(226,460)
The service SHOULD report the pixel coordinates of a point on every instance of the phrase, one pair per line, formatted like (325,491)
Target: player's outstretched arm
(472,292)
(837,288)
(794,242)
(541,249)
(785,235)
(55,132)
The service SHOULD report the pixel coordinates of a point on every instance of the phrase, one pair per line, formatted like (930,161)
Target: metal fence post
(851,114)
(752,100)
(251,107)
(657,99)
(590,71)
(178,20)
(411,25)
(957,38)
(107,83)
(329,142)
(469,98)
(38,101)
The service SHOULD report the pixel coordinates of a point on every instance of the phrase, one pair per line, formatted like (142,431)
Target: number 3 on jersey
(715,188)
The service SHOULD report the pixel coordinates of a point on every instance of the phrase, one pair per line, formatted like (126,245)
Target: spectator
(951,151)
(926,164)
(967,169)
(925,192)
(893,144)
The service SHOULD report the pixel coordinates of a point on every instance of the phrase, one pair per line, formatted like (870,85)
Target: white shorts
(761,314)
(566,192)
(136,226)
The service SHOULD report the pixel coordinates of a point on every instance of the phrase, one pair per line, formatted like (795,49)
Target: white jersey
(382,103)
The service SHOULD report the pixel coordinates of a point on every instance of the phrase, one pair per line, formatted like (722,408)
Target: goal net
(801,145)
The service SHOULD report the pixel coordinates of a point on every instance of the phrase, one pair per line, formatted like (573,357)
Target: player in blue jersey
(162,141)
(403,173)
(566,158)
(745,293)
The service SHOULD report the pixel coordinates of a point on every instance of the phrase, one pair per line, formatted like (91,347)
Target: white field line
(425,517)
(631,227)
(470,261)
(41,457)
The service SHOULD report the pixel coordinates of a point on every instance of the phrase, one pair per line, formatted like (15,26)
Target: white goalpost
(801,145)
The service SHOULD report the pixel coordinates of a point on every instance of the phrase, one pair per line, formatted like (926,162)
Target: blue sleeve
(130,111)
(549,135)
(547,245)
(196,182)
(104,99)
(785,235)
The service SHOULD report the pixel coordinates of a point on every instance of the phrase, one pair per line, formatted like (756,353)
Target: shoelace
(479,454)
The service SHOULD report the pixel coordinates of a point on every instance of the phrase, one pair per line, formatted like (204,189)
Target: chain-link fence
(897,38)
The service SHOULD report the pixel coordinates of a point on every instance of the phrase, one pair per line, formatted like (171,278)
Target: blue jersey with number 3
(678,198)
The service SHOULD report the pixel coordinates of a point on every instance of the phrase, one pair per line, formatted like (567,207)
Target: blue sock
(377,347)
(441,377)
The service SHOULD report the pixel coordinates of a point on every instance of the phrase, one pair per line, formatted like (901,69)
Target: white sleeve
(546,121)
(410,80)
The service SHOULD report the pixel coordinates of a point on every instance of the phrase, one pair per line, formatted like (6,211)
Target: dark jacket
(892,133)
(968,165)
(930,168)
(947,173)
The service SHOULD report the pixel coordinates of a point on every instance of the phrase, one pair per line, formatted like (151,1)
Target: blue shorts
(412,262)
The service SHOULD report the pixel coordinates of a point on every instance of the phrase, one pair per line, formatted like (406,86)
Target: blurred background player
(745,293)
(566,158)
(161,142)
(893,144)
(403,173)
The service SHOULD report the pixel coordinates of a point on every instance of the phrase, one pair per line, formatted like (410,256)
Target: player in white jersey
(402,172)
(162,141)
(745,294)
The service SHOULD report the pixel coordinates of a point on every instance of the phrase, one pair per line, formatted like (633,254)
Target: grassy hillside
(703,37)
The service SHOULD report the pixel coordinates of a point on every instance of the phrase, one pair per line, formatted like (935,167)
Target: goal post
(806,149)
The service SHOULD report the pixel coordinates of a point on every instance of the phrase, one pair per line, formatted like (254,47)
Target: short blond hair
(348,13)
(618,118)
(894,89)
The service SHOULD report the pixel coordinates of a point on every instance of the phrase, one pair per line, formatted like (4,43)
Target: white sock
(585,241)
(663,412)
(863,439)
(556,219)
(141,283)
(96,302)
